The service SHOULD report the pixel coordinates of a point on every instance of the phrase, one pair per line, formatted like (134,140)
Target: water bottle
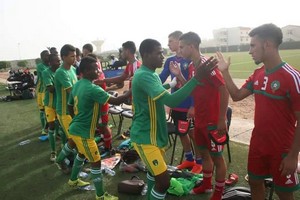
(108,171)
(24,142)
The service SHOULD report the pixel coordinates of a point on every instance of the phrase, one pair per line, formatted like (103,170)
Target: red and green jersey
(149,121)
(48,79)
(64,79)
(39,69)
(207,97)
(277,97)
(86,99)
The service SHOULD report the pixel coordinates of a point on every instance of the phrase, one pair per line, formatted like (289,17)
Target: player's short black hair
(43,53)
(89,47)
(78,52)
(86,64)
(191,38)
(129,45)
(147,46)
(268,31)
(66,49)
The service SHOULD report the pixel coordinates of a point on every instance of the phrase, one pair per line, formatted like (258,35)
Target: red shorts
(203,141)
(262,166)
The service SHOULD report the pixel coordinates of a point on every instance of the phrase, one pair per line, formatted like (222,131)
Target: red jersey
(131,68)
(207,97)
(277,97)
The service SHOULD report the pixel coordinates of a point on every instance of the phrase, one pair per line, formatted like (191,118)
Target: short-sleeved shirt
(277,97)
(86,99)
(64,79)
(149,120)
(184,64)
(131,68)
(39,69)
(48,79)
(207,97)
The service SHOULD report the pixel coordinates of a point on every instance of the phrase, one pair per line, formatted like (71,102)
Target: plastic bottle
(24,142)
(108,171)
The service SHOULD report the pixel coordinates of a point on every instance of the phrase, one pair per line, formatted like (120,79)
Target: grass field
(27,173)
(242,64)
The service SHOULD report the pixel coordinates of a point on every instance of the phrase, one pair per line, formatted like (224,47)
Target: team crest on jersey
(185,65)
(275,85)
(155,162)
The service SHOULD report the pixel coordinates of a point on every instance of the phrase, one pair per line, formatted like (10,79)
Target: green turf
(242,64)
(26,172)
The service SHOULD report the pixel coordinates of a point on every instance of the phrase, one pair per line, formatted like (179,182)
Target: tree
(4,64)
(22,63)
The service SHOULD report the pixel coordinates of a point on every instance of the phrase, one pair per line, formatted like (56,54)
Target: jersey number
(264,87)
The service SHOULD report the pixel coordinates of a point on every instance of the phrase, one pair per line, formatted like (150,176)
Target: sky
(29,26)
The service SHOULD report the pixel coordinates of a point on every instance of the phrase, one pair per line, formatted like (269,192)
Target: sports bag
(133,186)
(237,193)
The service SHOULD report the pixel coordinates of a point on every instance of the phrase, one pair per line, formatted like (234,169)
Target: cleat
(78,183)
(186,164)
(107,196)
(44,132)
(52,156)
(197,169)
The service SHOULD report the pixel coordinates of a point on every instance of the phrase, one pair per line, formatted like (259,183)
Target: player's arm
(71,106)
(289,163)
(224,97)
(119,99)
(117,79)
(235,93)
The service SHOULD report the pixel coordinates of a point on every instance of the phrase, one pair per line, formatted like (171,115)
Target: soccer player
(41,89)
(128,54)
(149,132)
(84,106)
(65,78)
(185,109)
(210,102)
(50,100)
(275,139)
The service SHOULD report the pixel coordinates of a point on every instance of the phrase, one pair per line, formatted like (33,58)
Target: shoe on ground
(197,169)
(78,183)
(63,167)
(44,132)
(201,189)
(52,156)
(107,196)
(186,164)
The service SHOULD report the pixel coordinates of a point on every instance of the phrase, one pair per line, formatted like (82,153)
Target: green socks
(150,183)
(51,138)
(78,163)
(97,178)
(43,119)
(64,153)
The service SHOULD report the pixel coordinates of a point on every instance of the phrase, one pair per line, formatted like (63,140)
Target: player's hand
(288,165)
(174,68)
(191,113)
(223,64)
(204,69)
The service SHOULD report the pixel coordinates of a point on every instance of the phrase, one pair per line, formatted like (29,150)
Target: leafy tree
(22,63)
(4,64)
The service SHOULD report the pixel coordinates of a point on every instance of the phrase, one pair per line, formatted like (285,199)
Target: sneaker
(107,196)
(124,167)
(44,132)
(52,156)
(201,189)
(197,169)
(186,164)
(63,167)
(78,183)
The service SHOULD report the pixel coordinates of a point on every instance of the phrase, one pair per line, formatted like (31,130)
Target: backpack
(237,193)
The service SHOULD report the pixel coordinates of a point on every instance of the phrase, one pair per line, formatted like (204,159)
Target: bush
(4,64)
